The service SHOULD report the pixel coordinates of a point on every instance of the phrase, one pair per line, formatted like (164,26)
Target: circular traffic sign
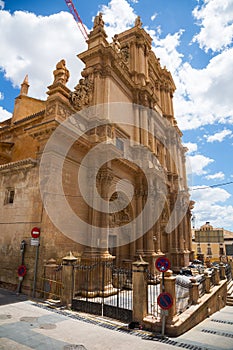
(162,264)
(165,300)
(22,270)
(35,232)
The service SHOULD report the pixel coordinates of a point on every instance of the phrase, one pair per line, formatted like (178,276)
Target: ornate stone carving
(63,112)
(125,53)
(50,109)
(61,73)
(83,93)
(105,177)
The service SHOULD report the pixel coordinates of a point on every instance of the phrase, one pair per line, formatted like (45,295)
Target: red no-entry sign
(35,232)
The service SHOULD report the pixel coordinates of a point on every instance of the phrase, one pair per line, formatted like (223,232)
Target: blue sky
(193,38)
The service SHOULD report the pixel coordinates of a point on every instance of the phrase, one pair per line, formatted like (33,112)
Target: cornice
(19,165)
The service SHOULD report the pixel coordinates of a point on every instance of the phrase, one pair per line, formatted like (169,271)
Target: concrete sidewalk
(33,325)
(28,325)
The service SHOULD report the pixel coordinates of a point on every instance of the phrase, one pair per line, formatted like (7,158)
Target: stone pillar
(194,291)
(216,276)
(222,271)
(144,125)
(105,177)
(207,283)
(137,126)
(140,298)
(139,198)
(67,279)
(231,265)
(170,287)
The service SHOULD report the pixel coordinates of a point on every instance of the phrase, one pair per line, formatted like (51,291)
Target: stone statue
(61,73)
(116,44)
(98,21)
(138,22)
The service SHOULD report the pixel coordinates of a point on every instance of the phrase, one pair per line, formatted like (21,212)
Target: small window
(221,251)
(119,144)
(10,195)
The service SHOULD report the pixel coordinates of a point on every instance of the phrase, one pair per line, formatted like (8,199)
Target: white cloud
(166,49)
(153,17)
(2,4)
(1,96)
(198,163)
(33,45)
(207,207)
(219,176)
(215,19)
(192,147)
(4,114)
(219,136)
(204,96)
(118,16)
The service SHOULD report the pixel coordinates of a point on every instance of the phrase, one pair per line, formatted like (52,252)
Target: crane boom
(77,18)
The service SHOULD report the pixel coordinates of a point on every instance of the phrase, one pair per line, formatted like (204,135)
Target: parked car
(186,271)
(197,262)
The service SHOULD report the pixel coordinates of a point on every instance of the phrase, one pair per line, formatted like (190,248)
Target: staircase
(230,294)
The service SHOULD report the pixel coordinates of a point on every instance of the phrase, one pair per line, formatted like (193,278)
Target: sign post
(35,241)
(164,300)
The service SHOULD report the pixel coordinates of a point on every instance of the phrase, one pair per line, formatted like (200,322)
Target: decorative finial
(24,86)
(138,22)
(61,73)
(98,21)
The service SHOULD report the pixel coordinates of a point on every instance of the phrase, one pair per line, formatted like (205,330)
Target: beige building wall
(123,71)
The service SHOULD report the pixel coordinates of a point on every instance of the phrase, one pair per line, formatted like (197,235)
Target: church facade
(136,200)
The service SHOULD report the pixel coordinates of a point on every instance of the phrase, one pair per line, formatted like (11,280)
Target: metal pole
(163,323)
(163,311)
(35,270)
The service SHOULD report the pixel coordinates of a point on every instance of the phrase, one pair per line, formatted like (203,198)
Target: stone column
(67,279)
(140,298)
(170,287)
(105,178)
(194,291)
(207,283)
(222,271)
(139,242)
(231,265)
(137,126)
(144,119)
(216,276)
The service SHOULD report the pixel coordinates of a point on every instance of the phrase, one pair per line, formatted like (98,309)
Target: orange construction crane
(77,18)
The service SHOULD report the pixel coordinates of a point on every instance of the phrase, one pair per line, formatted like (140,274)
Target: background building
(212,243)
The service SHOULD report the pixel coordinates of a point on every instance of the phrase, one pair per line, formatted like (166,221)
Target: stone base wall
(210,303)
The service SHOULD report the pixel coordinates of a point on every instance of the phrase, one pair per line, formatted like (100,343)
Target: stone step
(229,300)
(230,288)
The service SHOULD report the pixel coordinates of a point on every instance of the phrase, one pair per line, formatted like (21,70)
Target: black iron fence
(51,283)
(103,289)
(153,291)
